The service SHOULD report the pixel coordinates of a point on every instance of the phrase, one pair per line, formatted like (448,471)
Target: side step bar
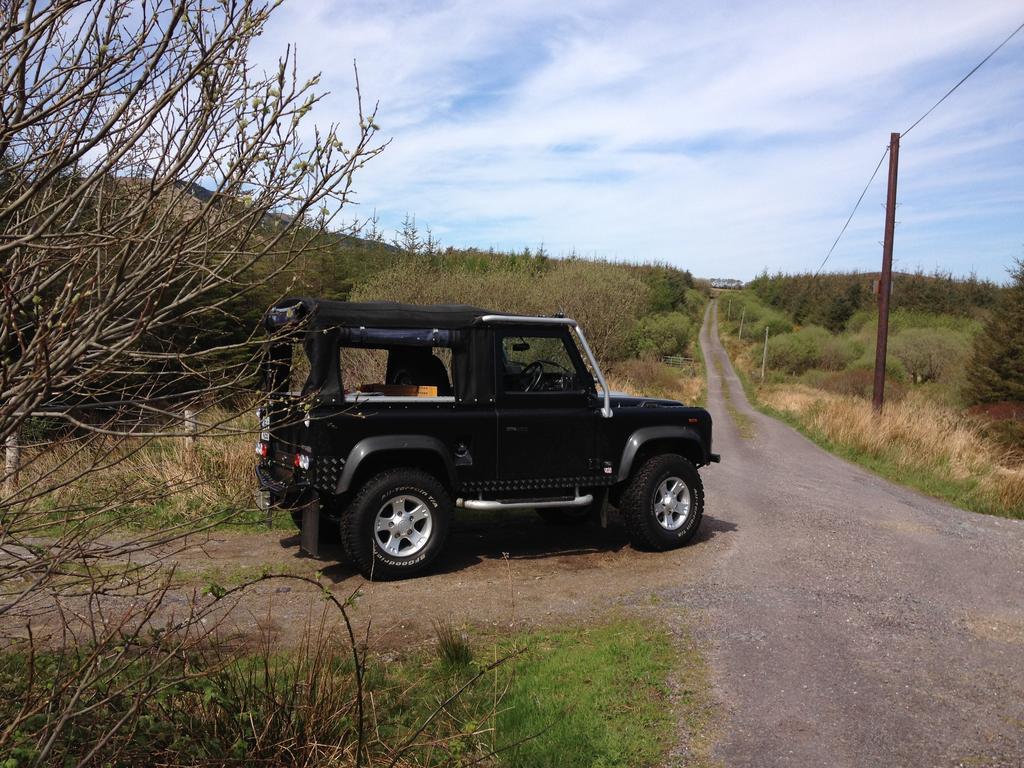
(490,505)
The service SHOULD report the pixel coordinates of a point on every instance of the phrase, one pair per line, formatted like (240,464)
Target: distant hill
(343,240)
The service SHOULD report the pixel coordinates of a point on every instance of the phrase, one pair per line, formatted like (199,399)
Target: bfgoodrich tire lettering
(422,513)
(643,503)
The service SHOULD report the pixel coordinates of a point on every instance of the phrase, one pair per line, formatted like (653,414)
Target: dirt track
(849,621)
(853,622)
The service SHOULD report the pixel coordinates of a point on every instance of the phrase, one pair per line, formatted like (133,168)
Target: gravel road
(852,622)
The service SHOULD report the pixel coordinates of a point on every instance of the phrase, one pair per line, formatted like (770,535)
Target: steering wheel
(533,373)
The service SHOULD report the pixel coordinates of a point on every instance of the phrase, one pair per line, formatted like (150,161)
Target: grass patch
(744,424)
(595,696)
(453,645)
(702,400)
(230,575)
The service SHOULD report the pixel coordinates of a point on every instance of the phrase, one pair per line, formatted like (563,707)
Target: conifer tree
(997,370)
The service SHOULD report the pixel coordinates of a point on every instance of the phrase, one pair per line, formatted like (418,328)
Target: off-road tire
(358,537)
(638,500)
(566,516)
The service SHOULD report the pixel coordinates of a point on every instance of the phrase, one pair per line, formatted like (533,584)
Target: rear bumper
(267,483)
(281,494)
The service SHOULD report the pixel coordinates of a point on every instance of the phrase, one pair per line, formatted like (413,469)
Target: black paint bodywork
(481,442)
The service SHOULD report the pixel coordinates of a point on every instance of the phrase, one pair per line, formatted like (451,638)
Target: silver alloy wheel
(403,525)
(672,503)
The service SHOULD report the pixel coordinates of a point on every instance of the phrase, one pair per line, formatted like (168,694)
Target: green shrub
(669,333)
(606,299)
(893,366)
(798,351)
(930,354)
(862,319)
(755,315)
(694,301)
(839,352)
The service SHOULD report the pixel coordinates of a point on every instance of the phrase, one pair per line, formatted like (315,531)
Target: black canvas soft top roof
(372,314)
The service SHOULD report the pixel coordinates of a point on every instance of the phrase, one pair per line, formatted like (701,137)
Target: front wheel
(397,524)
(663,503)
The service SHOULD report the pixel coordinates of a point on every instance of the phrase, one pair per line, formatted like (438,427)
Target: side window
(538,364)
(405,371)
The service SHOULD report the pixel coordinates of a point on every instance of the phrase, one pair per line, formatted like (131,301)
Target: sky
(724,138)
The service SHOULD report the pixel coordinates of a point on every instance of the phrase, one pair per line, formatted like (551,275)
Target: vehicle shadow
(519,535)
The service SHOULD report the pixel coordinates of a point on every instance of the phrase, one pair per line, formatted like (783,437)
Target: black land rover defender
(380,419)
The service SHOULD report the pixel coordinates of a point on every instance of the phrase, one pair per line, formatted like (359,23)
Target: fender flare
(645,435)
(370,446)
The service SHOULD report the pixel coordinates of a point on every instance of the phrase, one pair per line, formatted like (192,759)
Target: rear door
(547,417)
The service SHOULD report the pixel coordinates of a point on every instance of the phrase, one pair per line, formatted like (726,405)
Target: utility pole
(885,283)
(764,357)
(742,318)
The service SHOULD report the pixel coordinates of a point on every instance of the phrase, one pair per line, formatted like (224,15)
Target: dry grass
(147,481)
(914,438)
(652,378)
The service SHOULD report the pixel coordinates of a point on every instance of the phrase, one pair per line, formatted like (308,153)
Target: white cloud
(723,139)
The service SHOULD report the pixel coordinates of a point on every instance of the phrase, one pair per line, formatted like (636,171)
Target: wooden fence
(687,364)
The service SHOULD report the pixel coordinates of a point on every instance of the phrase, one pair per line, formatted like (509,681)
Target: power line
(908,130)
(964,79)
(852,213)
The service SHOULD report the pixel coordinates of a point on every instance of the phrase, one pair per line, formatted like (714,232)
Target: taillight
(262,450)
(302,461)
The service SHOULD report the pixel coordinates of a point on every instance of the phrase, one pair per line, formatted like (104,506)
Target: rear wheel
(397,524)
(663,503)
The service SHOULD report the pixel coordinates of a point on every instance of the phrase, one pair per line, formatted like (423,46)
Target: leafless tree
(150,175)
